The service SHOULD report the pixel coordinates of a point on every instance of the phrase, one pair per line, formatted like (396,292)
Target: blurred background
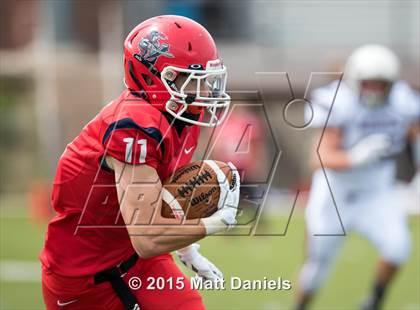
(61,61)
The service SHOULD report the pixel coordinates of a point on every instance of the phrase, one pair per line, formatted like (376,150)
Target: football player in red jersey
(107,191)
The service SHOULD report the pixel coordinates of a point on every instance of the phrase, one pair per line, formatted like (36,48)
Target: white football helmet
(371,63)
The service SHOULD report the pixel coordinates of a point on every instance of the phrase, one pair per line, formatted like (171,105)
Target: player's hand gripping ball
(194,190)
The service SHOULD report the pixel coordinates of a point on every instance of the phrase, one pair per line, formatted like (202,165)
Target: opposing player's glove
(191,258)
(369,150)
(225,217)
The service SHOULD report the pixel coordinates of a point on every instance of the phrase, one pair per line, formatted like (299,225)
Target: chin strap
(139,94)
(190,99)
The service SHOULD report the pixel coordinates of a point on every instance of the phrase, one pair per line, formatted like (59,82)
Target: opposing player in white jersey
(372,115)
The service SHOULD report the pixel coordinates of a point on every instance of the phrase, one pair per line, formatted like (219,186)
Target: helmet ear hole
(147,79)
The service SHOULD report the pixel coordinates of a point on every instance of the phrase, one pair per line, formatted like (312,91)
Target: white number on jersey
(129,149)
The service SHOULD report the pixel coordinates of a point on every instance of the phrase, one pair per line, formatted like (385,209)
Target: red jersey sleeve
(128,142)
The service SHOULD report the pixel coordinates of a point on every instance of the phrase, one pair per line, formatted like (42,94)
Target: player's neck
(178,124)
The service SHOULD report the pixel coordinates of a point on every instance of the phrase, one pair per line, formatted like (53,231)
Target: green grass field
(246,257)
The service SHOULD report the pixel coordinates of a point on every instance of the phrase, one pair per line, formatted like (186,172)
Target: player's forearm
(160,235)
(328,153)
(336,160)
(154,239)
(169,243)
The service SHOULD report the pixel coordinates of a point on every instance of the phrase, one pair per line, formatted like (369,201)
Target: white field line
(20,271)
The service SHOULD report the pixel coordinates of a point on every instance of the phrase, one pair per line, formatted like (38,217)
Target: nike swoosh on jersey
(187,151)
(62,304)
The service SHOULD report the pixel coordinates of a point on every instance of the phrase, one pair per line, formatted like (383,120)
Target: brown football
(193,190)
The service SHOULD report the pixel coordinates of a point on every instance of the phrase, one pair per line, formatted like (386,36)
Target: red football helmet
(162,48)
